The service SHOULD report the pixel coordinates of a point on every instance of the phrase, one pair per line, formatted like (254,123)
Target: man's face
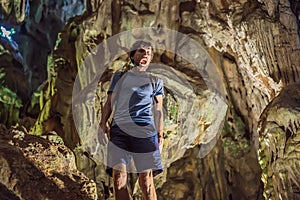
(143,56)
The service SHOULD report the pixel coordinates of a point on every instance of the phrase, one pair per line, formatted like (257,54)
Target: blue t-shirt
(134,101)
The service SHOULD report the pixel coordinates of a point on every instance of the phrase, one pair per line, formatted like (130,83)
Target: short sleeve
(159,87)
(116,77)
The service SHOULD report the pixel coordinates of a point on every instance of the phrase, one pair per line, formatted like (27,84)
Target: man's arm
(159,119)
(106,112)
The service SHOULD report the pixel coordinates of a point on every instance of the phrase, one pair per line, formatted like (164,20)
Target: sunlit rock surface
(33,167)
(255,46)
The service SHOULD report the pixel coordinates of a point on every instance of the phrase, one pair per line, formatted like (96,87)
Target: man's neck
(139,69)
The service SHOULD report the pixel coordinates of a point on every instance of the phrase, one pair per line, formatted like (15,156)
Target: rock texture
(255,46)
(33,167)
(279,152)
(37,24)
(220,175)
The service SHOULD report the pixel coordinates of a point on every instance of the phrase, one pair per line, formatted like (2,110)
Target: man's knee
(146,182)
(120,179)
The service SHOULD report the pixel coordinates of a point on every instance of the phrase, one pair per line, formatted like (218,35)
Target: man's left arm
(159,119)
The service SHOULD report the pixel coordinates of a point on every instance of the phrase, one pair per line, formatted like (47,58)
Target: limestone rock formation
(254,45)
(33,167)
(37,24)
(279,151)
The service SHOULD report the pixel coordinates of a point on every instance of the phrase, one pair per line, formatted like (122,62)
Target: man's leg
(147,185)
(120,182)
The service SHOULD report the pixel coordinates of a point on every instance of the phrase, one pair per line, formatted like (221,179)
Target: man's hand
(160,141)
(103,133)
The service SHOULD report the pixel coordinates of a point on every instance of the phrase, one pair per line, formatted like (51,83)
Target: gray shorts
(138,154)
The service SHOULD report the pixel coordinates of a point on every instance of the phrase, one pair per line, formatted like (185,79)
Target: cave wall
(279,145)
(254,44)
(37,24)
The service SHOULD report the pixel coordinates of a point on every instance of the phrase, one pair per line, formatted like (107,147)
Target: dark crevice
(6,194)
(288,134)
(140,12)
(187,6)
(116,16)
(295,7)
(229,57)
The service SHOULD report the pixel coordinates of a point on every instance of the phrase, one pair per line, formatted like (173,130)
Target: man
(136,132)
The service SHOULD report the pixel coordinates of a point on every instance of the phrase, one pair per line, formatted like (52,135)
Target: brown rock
(32,167)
